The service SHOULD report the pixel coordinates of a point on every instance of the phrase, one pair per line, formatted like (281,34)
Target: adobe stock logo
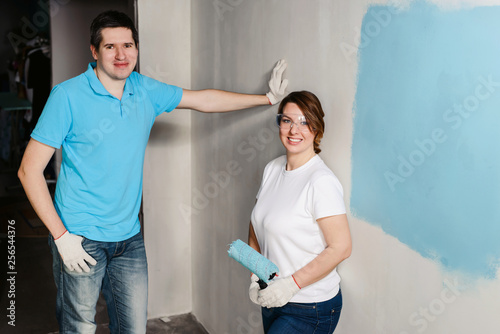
(39,20)
(225,6)
(93,138)
(374,25)
(219,180)
(454,117)
(436,307)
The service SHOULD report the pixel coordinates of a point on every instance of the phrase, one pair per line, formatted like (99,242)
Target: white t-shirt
(284,220)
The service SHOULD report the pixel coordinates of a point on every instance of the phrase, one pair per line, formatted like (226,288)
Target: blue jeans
(303,318)
(121,272)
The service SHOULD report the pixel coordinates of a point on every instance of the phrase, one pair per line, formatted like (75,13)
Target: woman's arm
(336,232)
(252,239)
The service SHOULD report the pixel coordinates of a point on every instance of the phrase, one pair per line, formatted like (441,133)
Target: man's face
(117,54)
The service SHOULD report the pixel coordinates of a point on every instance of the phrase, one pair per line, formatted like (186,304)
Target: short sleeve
(327,197)
(55,121)
(164,97)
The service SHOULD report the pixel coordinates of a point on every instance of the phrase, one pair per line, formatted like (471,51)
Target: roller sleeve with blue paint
(253,261)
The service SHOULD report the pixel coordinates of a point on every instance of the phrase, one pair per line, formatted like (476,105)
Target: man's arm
(213,100)
(35,159)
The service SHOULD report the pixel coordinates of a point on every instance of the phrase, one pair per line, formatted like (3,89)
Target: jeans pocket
(86,243)
(91,247)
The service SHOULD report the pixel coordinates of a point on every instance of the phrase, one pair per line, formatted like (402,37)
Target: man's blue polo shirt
(103,141)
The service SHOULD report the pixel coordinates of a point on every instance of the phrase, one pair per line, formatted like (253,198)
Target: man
(102,119)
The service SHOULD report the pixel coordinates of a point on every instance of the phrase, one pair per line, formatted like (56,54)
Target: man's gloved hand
(73,255)
(278,293)
(277,85)
(253,291)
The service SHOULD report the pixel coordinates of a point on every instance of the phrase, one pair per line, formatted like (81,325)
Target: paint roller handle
(263,284)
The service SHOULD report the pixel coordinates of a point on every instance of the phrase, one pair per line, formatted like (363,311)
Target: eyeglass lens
(285,122)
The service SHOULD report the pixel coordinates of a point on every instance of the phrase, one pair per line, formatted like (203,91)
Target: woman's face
(294,132)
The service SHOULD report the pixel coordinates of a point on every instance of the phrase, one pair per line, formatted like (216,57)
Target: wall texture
(422,166)
(235,45)
(391,284)
(426,103)
(165,55)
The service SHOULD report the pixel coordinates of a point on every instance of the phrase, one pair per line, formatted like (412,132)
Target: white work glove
(278,293)
(73,255)
(277,84)
(253,291)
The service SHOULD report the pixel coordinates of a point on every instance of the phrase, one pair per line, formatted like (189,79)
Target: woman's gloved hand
(278,292)
(253,291)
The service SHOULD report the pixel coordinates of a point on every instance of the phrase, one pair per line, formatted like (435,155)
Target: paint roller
(253,261)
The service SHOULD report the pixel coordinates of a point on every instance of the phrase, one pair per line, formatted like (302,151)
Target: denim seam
(123,248)
(112,290)
(317,317)
(61,289)
(332,313)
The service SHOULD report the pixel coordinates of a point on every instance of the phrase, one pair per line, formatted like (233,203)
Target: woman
(299,222)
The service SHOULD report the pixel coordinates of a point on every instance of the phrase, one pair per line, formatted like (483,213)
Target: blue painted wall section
(426,137)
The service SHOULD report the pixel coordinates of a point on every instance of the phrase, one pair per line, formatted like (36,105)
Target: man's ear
(94,52)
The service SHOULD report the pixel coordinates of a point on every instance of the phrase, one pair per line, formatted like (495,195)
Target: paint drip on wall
(426,138)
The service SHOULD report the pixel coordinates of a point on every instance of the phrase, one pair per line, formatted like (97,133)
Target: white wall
(235,46)
(164,51)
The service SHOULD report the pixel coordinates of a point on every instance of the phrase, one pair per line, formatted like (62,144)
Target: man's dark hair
(111,19)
